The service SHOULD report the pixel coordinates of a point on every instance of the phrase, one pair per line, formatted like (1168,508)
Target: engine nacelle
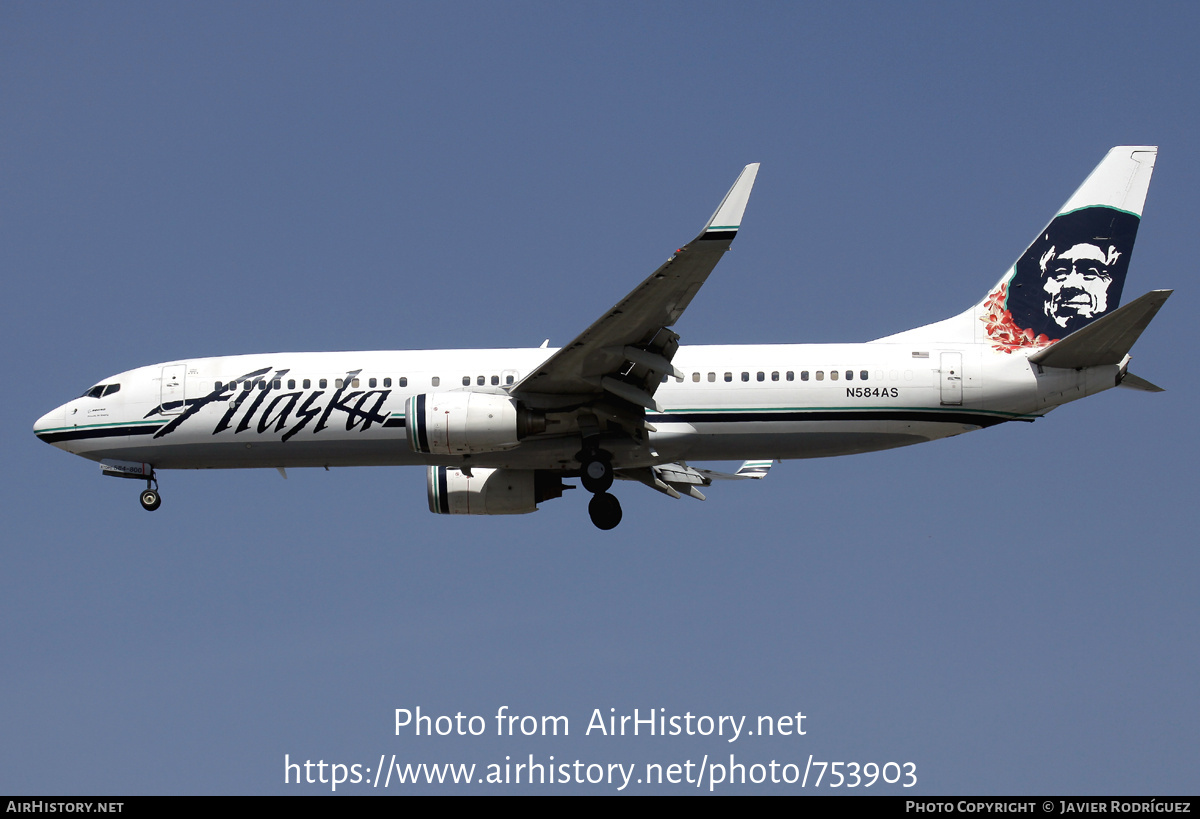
(461,423)
(490,491)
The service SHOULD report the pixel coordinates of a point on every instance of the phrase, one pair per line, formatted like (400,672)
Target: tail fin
(1073,272)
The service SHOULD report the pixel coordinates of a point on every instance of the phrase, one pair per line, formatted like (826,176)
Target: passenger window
(712,377)
(849,375)
(403,382)
(820,375)
(291,383)
(862,375)
(745,376)
(262,386)
(324,382)
(387,382)
(791,376)
(354,383)
(372,383)
(217,387)
(247,386)
(436,381)
(833,375)
(337,383)
(495,381)
(695,378)
(307,384)
(728,377)
(775,376)
(480,381)
(466,380)
(762,376)
(804,375)
(508,379)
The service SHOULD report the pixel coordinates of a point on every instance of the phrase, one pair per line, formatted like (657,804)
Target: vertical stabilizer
(1074,271)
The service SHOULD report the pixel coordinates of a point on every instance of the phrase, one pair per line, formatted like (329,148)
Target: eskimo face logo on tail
(1072,275)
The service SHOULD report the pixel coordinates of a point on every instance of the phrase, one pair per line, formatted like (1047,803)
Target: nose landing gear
(150,498)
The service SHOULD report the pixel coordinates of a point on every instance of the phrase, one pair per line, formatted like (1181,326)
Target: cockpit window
(101,390)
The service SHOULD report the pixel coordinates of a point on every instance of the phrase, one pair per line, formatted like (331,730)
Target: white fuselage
(734,402)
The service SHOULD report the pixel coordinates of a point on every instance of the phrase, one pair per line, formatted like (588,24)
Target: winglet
(748,469)
(728,216)
(755,469)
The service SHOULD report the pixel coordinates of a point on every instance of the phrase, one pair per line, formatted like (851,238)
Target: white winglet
(748,469)
(728,216)
(755,469)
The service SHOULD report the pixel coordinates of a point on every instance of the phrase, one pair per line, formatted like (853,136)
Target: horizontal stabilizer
(1107,340)
(1132,382)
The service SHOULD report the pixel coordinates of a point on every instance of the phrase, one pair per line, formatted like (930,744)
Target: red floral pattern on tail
(1005,335)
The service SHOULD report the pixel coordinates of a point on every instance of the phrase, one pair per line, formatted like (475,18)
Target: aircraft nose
(45,426)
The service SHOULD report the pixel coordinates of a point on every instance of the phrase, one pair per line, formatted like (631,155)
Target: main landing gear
(596,477)
(605,510)
(597,472)
(150,498)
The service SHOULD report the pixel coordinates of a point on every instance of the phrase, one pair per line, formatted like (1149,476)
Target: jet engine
(490,491)
(461,423)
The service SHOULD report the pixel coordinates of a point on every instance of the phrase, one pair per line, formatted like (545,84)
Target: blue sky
(1014,610)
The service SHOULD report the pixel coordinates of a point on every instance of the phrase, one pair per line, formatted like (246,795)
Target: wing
(627,351)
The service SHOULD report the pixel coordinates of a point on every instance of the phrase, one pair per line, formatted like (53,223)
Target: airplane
(500,430)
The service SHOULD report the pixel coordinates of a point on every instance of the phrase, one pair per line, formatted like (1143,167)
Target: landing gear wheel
(151,500)
(605,510)
(596,475)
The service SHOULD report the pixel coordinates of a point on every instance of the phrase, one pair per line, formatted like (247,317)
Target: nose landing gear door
(171,394)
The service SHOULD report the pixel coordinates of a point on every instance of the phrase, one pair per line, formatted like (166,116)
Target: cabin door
(952,380)
(171,394)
